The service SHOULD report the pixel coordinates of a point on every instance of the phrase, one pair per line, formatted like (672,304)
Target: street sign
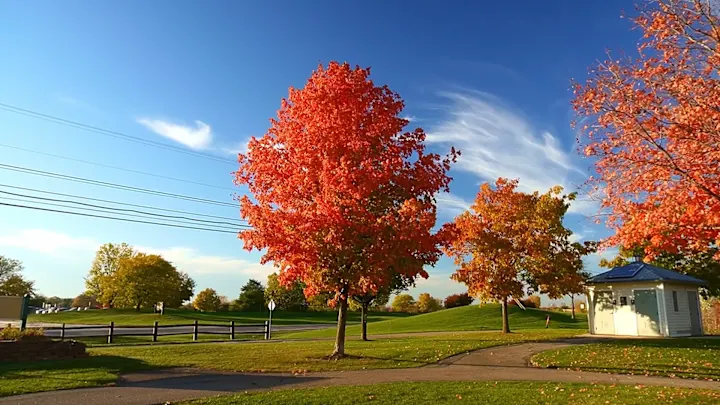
(271,305)
(15,308)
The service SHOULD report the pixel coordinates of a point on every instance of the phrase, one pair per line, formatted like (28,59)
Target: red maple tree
(343,198)
(652,125)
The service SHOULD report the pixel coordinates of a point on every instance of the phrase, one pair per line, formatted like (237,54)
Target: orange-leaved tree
(343,197)
(509,240)
(652,125)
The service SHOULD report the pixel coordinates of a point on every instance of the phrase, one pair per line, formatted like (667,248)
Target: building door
(695,328)
(603,313)
(625,320)
(646,313)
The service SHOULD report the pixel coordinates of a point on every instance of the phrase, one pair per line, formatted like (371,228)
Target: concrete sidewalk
(508,363)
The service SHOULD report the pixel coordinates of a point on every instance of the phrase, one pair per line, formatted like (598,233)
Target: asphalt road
(52,329)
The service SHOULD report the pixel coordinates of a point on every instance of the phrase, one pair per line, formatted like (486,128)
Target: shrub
(458,300)
(12,333)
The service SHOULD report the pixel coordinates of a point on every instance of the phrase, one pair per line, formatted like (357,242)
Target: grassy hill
(179,316)
(468,318)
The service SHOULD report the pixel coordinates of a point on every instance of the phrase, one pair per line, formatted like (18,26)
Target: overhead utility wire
(174,221)
(114,185)
(119,203)
(117,168)
(107,132)
(102,207)
(114,218)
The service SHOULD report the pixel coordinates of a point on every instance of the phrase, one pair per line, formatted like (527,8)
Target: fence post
(232,330)
(62,332)
(155,329)
(110,332)
(195,331)
(267,330)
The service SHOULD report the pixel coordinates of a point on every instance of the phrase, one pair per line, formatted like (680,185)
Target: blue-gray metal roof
(639,271)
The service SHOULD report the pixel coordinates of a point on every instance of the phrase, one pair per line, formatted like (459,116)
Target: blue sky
(490,78)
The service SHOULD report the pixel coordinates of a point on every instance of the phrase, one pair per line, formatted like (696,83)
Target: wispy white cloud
(410,118)
(190,260)
(439,285)
(451,205)
(499,141)
(239,147)
(194,137)
(193,262)
(47,242)
(576,237)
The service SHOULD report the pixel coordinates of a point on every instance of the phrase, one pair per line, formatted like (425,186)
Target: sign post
(271,307)
(25,311)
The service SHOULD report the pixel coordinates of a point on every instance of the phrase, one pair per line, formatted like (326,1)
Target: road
(52,329)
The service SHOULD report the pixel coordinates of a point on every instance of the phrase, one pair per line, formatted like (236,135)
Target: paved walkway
(492,364)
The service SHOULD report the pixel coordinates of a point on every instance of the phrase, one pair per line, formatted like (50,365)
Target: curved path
(491,364)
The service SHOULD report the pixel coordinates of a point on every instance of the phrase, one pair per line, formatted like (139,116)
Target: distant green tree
(207,300)
(252,297)
(100,281)
(320,302)
(184,293)
(59,302)
(458,300)
(11,280)
(84,300)
(404,303)
(144,280)
(426,303)
(288,299)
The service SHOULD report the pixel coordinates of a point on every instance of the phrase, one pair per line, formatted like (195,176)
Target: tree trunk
(137,307)
(339,350)
(572,305)
(363,320)
(506,324)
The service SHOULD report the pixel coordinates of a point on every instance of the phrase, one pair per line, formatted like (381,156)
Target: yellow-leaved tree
(510,240)
(207,300)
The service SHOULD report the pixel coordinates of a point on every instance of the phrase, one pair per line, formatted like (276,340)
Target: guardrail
(156,330)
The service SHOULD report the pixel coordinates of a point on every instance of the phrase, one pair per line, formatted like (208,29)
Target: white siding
(628,288)
(662,293)
(678,322)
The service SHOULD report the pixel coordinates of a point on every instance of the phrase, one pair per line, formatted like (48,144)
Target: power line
(118,203)
(117,168)
(114,218)
(107,132)
(171,217)
(114,185)
(110,211)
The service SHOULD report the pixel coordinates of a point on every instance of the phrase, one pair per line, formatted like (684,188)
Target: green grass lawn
(180,316)
(467,318)
(104,364)
(686,358)
(472,392)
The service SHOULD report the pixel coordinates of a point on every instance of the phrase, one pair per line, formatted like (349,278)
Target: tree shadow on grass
(49,375)
(221,382)
(114,364)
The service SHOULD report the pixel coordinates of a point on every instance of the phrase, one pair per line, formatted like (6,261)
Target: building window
(623,301)
(675,301)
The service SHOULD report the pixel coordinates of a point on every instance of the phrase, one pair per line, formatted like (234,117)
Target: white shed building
(644,300)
